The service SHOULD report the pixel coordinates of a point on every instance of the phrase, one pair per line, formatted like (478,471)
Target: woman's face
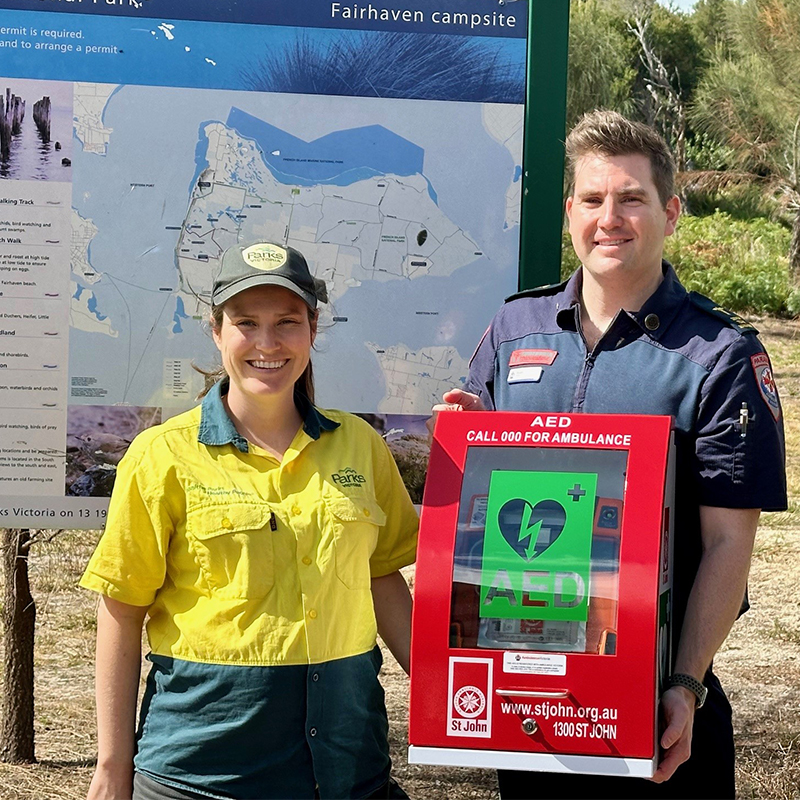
(265,340)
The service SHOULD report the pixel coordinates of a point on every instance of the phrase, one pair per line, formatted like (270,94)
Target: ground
(759,663)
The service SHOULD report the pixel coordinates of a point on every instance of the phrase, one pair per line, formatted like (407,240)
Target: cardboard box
(541,630)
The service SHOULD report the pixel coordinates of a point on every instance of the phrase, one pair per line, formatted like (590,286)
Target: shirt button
(306,560)
(227,524)
(315,677)
(651,322)
(312,614)
(295,511)
(313,732)
(366,512)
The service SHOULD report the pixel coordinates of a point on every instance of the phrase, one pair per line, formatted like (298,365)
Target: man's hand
(455,400)
(677,708)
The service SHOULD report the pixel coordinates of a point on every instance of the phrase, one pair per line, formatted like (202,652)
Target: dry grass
(64,663)
(759,664)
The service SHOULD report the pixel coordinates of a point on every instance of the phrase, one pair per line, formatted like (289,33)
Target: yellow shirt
(246,560)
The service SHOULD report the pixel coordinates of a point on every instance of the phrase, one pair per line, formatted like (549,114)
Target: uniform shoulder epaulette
(728,317)
(539,291)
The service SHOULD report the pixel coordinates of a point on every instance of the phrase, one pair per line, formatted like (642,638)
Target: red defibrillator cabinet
(542,593)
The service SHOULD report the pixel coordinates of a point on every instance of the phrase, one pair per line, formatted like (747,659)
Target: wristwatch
(692,684)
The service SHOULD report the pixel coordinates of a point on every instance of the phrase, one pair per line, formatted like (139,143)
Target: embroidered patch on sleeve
(766,383)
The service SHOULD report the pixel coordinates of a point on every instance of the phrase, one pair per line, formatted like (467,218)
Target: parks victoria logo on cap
(265,256)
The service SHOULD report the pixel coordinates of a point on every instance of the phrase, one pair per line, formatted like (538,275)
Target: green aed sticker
(538,544)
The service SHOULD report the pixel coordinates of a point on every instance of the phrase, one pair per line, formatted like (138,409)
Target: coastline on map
(35,130)
(97,439)
(379,231)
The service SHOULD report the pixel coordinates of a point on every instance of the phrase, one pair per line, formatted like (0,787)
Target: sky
(682,5)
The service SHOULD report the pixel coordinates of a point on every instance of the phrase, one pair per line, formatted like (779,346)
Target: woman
(262,538)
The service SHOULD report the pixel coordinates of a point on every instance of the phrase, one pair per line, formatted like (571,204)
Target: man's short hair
(607,133)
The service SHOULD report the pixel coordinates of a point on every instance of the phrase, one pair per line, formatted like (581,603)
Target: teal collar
(217,428)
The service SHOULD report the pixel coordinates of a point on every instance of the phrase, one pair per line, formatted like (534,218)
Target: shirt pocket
(233,546)
(355,524)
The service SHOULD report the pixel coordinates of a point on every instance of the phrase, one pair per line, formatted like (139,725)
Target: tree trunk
(794,249)
(19,616)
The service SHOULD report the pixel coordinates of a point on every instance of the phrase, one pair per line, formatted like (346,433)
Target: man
(622,335)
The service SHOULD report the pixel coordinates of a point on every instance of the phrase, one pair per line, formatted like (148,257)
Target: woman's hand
(112,782)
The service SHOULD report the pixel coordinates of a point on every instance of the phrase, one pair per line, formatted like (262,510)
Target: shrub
(742,264)
(744,201)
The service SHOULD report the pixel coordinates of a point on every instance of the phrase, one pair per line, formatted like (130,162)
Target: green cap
(244,266)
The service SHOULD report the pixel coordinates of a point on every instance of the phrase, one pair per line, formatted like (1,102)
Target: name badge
(525,374)
(521,358)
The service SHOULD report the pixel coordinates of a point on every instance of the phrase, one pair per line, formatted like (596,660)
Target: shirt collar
(217,428)
(661,307)
(658,311)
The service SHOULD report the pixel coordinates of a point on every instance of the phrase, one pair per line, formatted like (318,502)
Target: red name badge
(525,357)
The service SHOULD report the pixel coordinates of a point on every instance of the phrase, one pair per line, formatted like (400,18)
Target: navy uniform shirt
(679,355)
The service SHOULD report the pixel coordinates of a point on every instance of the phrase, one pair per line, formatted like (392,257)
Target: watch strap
(692,684)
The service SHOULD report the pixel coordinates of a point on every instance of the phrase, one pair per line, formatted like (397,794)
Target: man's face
(616,219)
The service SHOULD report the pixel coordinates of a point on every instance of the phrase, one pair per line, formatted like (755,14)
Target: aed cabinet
(541,628)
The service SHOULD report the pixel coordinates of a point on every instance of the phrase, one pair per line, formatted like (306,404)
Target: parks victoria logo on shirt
(537,545)
(348,477)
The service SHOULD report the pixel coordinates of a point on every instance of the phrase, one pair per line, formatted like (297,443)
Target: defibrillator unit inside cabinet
(541,632)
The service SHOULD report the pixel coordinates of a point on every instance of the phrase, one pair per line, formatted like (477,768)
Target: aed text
(565,589)
(550,437)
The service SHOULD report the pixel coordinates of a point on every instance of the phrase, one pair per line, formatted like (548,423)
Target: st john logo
(469,711)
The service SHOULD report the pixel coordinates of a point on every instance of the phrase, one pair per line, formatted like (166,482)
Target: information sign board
(140,138)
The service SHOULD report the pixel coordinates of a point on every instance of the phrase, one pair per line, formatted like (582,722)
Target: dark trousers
(707,775)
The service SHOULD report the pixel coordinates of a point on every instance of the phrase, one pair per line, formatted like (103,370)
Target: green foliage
(710,21)
(743,201)
(704,152)
(602,60)
(748,99)
(741,264)
(676,41)
(569,261)
(734,106)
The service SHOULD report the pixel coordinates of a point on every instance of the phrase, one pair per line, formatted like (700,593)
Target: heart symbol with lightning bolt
(521,525)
